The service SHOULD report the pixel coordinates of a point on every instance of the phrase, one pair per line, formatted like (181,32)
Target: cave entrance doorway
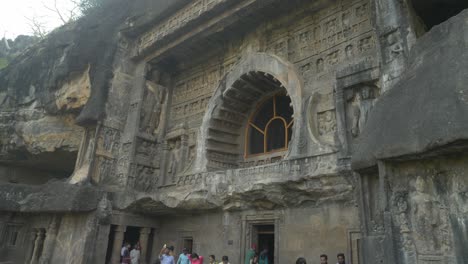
(264,238)
(132,235)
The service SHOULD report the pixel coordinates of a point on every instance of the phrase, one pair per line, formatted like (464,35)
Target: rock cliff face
(50,87)
(162,102)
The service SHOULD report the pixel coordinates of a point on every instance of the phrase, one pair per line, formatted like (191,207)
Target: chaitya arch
(255,78)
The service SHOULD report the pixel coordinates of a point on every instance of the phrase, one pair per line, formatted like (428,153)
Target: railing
(281,171)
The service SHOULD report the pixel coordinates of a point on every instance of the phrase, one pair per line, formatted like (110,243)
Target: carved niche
(174,165)
(153,106)
(428,217)
(421,217)
(147,152)
(146,178)
(359,101)
(322,118)
(108,143)
(146,164)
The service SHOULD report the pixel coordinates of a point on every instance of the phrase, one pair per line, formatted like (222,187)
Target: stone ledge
(314,180)
(53,196)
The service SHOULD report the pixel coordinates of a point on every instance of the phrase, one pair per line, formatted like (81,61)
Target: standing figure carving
(426,218)
(360,105)
(175,158)
(153,104)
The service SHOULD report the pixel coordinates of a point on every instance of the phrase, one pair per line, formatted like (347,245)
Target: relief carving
(322,118)
(175,158)
(360,100)
(155,97)
(146,152)
(393,46)
(109,139)
(326,122)
(426,216)
(401,208)
(105,169)
(176,21)
(145,179)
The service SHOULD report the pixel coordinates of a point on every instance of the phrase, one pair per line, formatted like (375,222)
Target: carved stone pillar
(166,156)
(144,236)
(31,239)
(184,155)
(394,39)
(341,121)
(38,245)
(49,243)
(118,240)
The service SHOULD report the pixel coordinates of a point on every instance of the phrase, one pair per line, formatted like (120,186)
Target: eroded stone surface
(142,113)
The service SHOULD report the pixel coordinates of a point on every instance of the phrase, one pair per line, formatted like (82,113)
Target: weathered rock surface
(55,196)
(54,84)
(428,108)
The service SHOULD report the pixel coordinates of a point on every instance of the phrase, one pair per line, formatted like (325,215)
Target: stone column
(38,244)
(49,243)
(144,236)
(118,241)
(183,154)
(392,27)
(30,248)
(341,121)
(163,178)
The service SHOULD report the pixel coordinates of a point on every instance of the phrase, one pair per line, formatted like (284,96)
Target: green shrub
(3,63)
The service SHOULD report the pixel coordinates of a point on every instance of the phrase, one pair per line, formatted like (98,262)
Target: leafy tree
(87,6)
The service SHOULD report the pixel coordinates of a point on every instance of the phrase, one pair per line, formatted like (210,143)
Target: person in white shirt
(135,255)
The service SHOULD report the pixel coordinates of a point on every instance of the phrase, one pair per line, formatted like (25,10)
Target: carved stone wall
(428,202)
(316,45)
(419,209)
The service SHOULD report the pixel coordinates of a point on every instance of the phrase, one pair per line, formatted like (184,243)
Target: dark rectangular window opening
(11,235)
(13,238)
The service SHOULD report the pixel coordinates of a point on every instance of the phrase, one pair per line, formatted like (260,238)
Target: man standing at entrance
(341,258)
(323,259)
(165,256)
(250,254)
(183,258)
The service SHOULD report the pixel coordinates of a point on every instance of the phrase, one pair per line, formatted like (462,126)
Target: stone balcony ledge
(312,180)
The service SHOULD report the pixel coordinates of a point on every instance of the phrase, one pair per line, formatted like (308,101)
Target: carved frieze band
(294,168)
(176,21)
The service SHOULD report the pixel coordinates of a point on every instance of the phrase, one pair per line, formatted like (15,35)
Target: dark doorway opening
(188,244)
(266,241)
(434,12)
(110,243)
(132,235)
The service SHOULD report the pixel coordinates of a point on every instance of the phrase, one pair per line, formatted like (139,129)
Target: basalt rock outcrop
(216,124)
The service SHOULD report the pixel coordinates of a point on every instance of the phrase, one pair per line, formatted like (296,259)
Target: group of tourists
(166,256)
(132,256)
(324,259)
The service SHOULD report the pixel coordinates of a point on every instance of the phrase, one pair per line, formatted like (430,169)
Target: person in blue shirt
(165,256)
(183,258)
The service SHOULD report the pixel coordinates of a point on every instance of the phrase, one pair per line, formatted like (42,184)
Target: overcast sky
(14,15)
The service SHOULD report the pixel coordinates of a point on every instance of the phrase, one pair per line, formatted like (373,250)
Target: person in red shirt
(195,259)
